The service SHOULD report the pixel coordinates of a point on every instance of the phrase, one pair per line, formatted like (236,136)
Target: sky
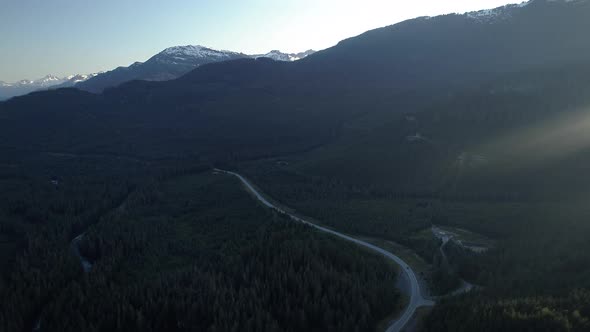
(63,37)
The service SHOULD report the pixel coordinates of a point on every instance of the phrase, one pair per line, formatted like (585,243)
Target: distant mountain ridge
(171,63)
(45,81)
(174,62)
(9,90)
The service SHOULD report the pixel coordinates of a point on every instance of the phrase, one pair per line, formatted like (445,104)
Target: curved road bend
(86,265)
(416,298)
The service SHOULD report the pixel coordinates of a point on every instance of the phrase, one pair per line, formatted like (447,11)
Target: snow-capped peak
(49,78)
(185,50)
(188,52)
(197,53)
(80,77)
(280,56)
(49,81)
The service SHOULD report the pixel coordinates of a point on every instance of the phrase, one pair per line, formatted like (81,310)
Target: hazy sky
(62,37)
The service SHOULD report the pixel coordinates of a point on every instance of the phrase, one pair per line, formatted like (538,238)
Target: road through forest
(416,298)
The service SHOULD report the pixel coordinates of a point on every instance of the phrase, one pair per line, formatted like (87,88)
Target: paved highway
(416,298)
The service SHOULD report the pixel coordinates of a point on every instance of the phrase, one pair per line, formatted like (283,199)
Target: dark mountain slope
(193,115)
(436,52)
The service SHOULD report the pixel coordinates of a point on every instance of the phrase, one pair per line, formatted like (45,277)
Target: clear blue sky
(62,37)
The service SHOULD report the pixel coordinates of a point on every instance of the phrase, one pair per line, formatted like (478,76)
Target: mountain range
(22,87)
(389,68)
(264,106)
(166,65)
(174,62)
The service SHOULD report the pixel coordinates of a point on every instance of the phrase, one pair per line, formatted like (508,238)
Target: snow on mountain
(22,87)
(80,78)
(23,83)
(170,63)
(280,56)
(193,54)
(505,12)
(305,54)
(496,14)
(72,80)
(52,80)
(277,56)
(48,81)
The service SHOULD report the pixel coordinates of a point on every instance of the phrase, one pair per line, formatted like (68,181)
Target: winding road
(416,298)
(86,265)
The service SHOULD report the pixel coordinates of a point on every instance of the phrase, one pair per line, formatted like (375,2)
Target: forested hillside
(538,313)
(178,252)
(503,159)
